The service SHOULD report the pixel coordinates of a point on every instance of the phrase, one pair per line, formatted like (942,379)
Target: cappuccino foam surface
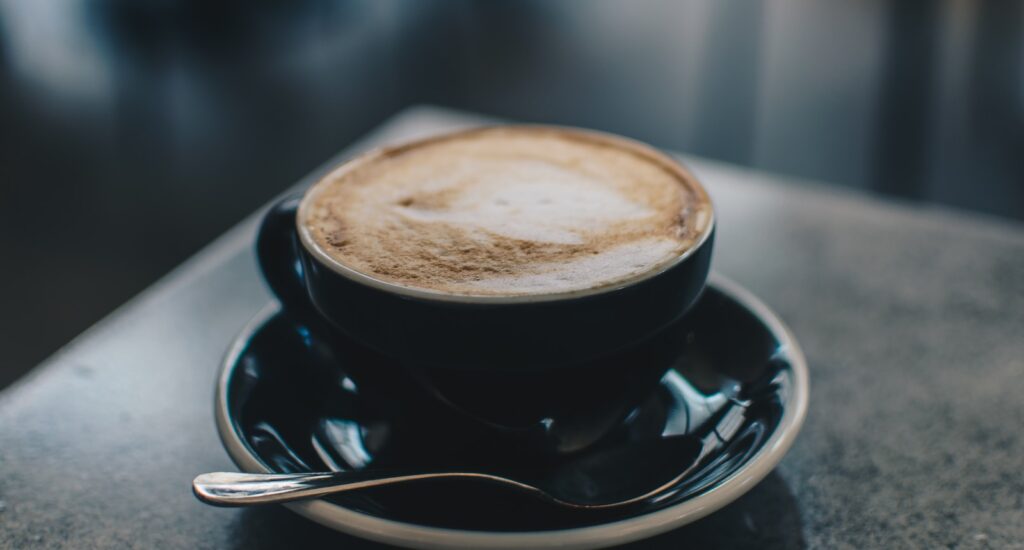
(507,211)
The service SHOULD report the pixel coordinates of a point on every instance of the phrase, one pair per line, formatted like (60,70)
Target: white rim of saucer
(595,536)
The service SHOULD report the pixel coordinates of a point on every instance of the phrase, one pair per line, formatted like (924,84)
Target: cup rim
(667,162)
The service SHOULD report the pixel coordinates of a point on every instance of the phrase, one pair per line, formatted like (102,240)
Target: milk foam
(507,211)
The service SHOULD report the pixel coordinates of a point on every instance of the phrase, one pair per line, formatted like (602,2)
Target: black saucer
(278,411)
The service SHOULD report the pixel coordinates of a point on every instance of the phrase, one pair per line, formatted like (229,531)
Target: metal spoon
(605,479)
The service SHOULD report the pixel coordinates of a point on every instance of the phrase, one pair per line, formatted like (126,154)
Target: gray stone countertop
(912,319)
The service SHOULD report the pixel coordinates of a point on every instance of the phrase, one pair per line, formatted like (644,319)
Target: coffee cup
(500,249)
(521,285)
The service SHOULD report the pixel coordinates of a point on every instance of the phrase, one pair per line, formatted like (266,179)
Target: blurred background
(133,132)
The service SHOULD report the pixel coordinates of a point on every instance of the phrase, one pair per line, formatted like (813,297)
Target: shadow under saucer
(768,517)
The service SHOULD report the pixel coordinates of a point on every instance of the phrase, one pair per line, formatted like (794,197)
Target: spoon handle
(242,489)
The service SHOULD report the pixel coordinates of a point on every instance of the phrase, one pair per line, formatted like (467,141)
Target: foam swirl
(508,211)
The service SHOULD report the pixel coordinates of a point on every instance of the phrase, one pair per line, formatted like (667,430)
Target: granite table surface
(912,319)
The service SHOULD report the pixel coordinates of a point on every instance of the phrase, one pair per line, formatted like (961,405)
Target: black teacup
(496,342)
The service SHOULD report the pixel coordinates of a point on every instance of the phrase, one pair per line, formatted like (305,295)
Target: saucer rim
(622,531)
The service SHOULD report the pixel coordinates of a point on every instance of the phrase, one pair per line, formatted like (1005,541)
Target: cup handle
(277,252)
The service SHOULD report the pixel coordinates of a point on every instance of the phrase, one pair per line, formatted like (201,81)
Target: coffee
(508,211)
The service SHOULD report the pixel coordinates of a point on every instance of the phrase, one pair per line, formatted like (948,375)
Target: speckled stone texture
(912,320)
